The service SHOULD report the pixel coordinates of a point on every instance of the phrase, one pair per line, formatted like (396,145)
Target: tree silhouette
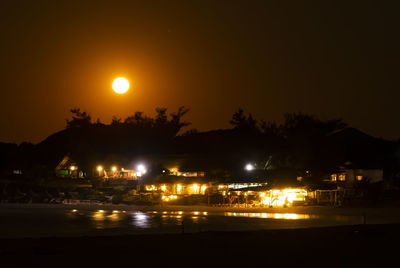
(79,119)
(242,122)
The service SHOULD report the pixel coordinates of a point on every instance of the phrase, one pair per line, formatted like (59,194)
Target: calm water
(40,222)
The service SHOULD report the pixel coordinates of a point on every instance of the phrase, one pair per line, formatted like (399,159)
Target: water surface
(45,222)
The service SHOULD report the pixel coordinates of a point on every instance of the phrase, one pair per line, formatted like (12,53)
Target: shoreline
(323,210)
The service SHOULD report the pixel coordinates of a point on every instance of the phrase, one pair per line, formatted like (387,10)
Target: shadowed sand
(345,246)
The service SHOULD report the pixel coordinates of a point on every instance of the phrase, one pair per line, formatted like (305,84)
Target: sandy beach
(345,246)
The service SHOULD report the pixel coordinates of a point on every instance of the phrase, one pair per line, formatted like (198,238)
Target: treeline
(163,123)
(301,142)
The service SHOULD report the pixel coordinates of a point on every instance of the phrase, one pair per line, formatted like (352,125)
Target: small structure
(348,177)
(68,168)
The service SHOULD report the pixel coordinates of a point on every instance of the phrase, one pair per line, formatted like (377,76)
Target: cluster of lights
(140,169)
(102,211)
(150,188)
(278,216)
(279,198)
(169,197)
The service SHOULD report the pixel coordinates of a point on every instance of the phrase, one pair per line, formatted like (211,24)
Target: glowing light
(249,167)
(141,220)
(173,170)
(115,211)
(178,188)
(141,169)
(203,189)
(167,198)
(114,168)
(150,187)
(196,188)
(120,85)
(280,198)
(101,211)
(72,168)
(99,168)
(74,210)
(163,188)
(278,216)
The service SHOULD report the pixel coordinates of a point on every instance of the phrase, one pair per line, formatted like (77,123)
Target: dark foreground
(349,246)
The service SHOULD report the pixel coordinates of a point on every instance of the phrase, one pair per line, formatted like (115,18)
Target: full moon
(120,85)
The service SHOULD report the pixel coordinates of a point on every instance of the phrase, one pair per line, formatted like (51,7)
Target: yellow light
(150,187)
(99,168)
(168,198)
(179,188)
(203,189)
(72,168)
(195,188)
(101,211)
(173,170)
(74,210)
(285,197)
(114,168)
(163,188)
(115,211)
(120,85)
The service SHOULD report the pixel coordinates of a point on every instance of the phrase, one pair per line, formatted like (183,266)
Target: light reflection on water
(140,219)
(156,219)
(79,221)
(278,216)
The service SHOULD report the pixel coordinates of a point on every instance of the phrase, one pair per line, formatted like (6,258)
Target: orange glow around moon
(120,85)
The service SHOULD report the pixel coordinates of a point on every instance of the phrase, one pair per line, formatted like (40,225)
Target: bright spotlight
(141,168)
(249,167)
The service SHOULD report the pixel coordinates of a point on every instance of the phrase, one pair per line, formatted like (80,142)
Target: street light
(99,169)
(249,167)
(141,169)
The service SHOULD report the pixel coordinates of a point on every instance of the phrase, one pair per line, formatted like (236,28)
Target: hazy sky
(328,58)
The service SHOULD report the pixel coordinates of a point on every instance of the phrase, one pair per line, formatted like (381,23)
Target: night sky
(328,58)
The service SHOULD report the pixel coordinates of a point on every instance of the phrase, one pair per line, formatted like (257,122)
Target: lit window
(334,177)
(342,177)
(359,178)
